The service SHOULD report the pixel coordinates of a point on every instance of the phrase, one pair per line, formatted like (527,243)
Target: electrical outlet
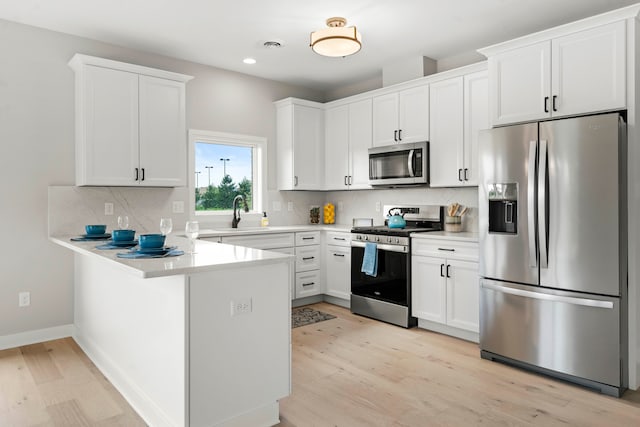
(108,208)
(24,299)
(378,207)
(178,207)
(277,206)
(240,306)
(290,206)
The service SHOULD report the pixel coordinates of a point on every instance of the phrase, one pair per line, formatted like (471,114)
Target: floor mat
(302,316)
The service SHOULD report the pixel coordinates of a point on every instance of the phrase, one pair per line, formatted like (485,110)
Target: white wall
(37,150)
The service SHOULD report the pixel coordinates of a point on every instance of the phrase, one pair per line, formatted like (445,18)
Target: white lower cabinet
(308,283)
(445,286)
(337,266)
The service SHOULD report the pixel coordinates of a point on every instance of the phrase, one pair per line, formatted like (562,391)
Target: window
(223,166)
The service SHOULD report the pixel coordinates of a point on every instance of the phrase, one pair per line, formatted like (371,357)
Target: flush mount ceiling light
(336,40)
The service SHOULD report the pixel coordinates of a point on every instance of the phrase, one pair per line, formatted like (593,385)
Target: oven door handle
(389,248)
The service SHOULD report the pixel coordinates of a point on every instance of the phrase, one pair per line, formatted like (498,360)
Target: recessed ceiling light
(249,61)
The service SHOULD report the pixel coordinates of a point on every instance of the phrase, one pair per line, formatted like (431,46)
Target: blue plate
(96,236)
(154,251)
(121,243)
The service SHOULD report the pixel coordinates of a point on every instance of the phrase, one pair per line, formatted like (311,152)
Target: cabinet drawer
(308,283)
(307,258)
(261,241)
(336,238)
(446,249)
(305,238)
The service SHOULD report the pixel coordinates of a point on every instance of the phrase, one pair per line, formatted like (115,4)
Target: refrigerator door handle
(542,204)
(549,297)
(531,176)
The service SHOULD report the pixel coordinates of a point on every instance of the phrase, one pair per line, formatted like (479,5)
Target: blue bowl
(95,229)
(149,241)
(123,235)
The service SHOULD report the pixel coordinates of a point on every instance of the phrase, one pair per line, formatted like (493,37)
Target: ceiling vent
(272,44)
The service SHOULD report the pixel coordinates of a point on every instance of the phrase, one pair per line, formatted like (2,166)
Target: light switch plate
(108,208)
(178,207)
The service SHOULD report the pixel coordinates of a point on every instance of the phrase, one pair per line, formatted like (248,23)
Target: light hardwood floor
(353,371)
(348,371)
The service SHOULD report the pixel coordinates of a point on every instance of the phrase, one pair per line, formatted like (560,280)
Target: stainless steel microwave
(399,164)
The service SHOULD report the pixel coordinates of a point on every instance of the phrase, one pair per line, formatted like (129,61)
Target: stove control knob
(389,240)
(358,237)
(377,239)
(366,237)
(397,240)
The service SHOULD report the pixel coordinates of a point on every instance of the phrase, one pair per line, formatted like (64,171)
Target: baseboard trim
(37,336)
(144,406)
(449,330)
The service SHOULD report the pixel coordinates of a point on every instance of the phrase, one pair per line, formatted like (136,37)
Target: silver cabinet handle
(531,201)
(542,204)
(549,297)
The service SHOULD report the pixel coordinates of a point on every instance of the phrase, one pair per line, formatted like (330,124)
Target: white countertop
(208,256)
(243,231)
(464,236)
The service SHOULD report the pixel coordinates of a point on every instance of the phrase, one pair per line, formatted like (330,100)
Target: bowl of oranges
(329,213)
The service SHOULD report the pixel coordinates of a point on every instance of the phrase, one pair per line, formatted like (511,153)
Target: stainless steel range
(386,295)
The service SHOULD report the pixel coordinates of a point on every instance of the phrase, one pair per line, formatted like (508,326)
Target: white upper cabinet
(347,141)
(401,116)
(578,73)
(589,70)
(446,114)
(130,124)
(458,110)
(300,145)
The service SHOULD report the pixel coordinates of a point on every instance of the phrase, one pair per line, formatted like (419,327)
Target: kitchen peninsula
(199,339)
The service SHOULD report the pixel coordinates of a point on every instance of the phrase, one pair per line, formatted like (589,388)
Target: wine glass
(123,222)
(192,229)
(166,225)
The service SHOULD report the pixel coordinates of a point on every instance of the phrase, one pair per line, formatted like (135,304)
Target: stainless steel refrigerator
(553,248)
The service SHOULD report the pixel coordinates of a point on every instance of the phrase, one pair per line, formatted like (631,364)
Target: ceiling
(221,33)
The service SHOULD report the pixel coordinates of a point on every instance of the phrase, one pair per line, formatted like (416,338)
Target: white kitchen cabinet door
(589,70)
(163,149)
(107,144)
(308,283)
(520,84)
(428,288)
(476,118)
(385,119)
(308,148)
(338,271)
(360,137)
(307,258)
(463,298)
(337,123)
(300,145)
(413,114)
(446,114)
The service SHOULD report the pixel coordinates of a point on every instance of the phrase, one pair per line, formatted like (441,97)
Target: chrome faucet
(236,212)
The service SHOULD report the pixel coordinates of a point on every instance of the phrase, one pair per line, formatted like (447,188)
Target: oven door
(392,282)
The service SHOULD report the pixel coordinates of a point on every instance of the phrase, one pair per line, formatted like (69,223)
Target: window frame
(259,162)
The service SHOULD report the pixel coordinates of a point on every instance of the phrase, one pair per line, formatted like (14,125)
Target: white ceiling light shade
(336,40)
